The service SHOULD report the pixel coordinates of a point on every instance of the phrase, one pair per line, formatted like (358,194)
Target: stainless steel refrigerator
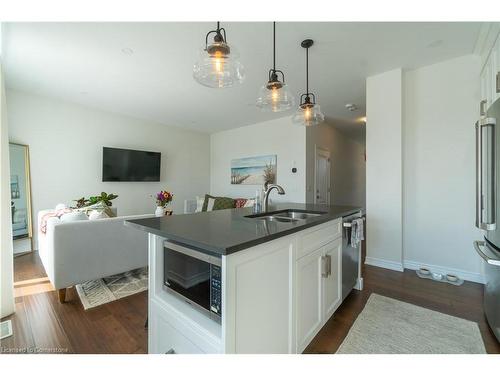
(487,209)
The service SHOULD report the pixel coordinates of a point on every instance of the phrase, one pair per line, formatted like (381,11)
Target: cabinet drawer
(166,338)
(172,341)
(319,236)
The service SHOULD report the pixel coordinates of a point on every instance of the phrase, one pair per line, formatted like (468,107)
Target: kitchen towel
(357,232)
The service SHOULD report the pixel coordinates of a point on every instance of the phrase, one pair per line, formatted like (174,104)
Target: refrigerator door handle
(489,260)
(486,192)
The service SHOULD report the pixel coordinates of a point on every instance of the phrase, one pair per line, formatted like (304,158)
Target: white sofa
(78,251)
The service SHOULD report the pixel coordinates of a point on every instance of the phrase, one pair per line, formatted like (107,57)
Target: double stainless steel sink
(286,216)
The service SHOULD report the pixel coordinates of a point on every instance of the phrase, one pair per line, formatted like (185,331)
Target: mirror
(20,197)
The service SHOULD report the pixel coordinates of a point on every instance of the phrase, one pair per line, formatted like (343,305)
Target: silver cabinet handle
(492,261)
(328,264)
(324,267)
(485,192)
(498,83)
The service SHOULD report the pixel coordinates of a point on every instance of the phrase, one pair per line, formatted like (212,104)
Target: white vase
(160,211)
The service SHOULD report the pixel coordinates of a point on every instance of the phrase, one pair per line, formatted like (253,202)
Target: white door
(308,301)
(322,177)
(332,284)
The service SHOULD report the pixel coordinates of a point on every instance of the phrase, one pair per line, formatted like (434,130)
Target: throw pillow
(210,205)
(240,202)
(223,203)
(249,203)
(60,206)
(217,203)
(205,202)
(199,204)
(74,216)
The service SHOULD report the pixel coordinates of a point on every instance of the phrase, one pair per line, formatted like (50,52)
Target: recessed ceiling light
(127,51)
(363,119)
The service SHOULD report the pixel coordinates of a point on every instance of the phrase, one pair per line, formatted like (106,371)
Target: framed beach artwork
(253,170)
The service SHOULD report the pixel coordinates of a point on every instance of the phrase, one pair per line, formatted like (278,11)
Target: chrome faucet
(267,189)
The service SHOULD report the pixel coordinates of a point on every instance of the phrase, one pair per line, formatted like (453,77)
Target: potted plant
(105,198)
(163,198)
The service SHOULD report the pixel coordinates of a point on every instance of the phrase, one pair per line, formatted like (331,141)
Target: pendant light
(308,113)
(275,96)
(218,65)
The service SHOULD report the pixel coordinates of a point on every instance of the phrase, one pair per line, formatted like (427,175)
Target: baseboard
(389,264)
(465,275)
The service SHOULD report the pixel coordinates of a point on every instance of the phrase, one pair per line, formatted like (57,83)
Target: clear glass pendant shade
(275,98)
(308,115)
(218,66)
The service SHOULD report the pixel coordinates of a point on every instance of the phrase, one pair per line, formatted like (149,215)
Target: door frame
(325,152)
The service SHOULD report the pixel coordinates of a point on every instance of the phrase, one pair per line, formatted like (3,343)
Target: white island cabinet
(276,296)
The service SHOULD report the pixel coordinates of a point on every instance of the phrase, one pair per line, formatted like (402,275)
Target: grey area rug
(389,326)
(98,292)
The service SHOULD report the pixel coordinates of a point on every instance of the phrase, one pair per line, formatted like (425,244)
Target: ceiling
(144,70)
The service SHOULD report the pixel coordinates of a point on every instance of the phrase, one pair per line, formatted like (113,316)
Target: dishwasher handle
(348,224)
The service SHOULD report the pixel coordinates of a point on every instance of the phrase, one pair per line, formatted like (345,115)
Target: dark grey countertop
(224,232)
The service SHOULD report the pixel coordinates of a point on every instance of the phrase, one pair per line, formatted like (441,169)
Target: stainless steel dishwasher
(351,266)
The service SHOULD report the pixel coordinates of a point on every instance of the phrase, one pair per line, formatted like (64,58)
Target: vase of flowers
(163,198)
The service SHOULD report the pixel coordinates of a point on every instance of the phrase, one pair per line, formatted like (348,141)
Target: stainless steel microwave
(194,277)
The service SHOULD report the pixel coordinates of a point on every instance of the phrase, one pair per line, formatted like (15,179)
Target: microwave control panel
(215,290)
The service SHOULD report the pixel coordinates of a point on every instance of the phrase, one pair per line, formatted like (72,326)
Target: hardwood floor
(42,324)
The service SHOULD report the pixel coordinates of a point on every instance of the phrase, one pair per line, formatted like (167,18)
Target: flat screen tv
(130,165)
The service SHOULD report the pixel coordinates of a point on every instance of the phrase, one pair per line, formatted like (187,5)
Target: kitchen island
(274,280)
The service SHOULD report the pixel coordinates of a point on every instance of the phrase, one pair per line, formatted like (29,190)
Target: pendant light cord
(307,71)
(274,46)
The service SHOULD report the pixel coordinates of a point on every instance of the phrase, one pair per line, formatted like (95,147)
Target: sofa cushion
(73,216)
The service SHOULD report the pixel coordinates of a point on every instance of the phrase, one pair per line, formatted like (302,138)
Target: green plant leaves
(104,197)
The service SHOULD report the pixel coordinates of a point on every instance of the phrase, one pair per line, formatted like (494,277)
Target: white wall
(280,137)
(384,169)
(441,107)
(66,143)
(6,252)
(348,167)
